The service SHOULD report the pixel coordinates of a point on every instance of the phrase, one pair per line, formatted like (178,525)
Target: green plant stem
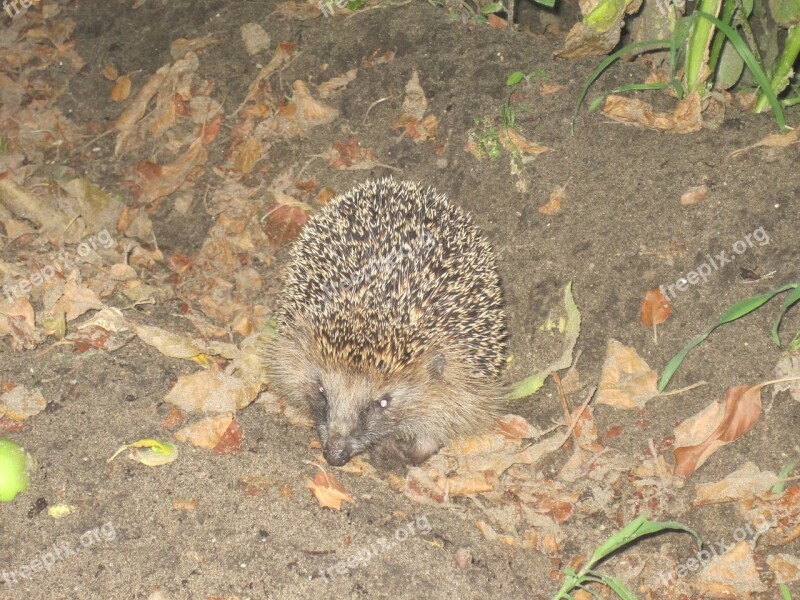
(699,42)
(783,69)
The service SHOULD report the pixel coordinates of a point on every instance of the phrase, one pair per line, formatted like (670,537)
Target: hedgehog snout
(337,451)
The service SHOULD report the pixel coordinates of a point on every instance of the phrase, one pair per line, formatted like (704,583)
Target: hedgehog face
(356,412)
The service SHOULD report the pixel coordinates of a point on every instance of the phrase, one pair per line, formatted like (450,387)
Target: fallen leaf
(686,117)
(515,142)
(747,481)
(212,391)
(717,425)
(350,155)
(655,308)
(231,440)
(786,568)
(415,104)
(328,491)
(149,452)
(626,380)
(253,485)
(21,403)
(162,180)
(775,140)
(553,205)
(334,84)
(732,575)
(254,37)
(694,195)
(121,89)
(206,433)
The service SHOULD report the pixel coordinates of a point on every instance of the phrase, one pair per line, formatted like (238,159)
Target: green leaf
(634,530)
(791,299)
(515,78)
(785,12)
(738,310)
(785,593)
(569,329)
(492,8)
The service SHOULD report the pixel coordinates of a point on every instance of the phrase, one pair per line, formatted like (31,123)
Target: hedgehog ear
(436,365)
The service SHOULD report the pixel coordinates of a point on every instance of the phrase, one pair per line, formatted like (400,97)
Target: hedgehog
(391,327)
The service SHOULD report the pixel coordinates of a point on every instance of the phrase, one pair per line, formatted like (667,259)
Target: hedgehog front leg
(393,452)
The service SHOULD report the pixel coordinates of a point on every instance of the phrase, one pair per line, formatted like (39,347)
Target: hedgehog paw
(393,452)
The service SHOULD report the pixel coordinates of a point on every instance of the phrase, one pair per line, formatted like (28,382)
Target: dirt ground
(620,232)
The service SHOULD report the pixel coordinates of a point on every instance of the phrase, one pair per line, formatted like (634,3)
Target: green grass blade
(752,64)
(634,530)
(738,310)
(785,593)
(637,47)
(728,8)
(787,304)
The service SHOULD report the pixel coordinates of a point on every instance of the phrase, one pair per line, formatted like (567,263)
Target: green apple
(13,470)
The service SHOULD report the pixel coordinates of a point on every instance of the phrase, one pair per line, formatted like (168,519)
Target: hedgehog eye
(383,402)
(323,395)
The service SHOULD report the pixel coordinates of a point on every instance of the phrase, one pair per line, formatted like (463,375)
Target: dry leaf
(786,567)
(21,403)
(253,485)
(231,440)
(121,89)
(626,380)
(328,491)
(350,155)
(732,575)
(717,425)
(161,180)
(212,391)
(311,112)
(249,154)
(110,72)
(414,104)
(548,89)
(515,142)
(254,37)
(334,84)
(655,308)
(686,117)
(746,482)
(775,140)
(207,432)
(694,195)
(557,196)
